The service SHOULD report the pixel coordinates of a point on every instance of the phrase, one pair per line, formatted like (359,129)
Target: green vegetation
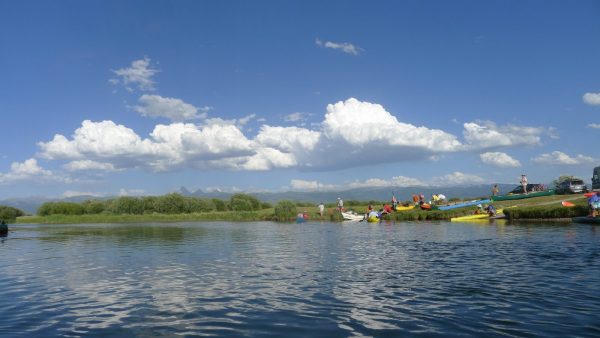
(10,214)
(285,211)
(242,207)
(244,216)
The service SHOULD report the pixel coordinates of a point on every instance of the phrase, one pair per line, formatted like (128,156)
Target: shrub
(285,211)
(127,205)
(10,214)
(171,204)
(244,202)
(60,208)
(220,205)
(199,205)
(93,207)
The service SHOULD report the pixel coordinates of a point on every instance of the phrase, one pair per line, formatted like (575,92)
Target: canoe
(461,205)
(402,208)
(425,206)
(522,196)
(475,217)
(352,217)
(586,220)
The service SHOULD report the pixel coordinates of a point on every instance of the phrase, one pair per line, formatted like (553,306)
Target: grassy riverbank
(546,207)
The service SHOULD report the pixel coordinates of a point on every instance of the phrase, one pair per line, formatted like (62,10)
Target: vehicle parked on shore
(596,179)
(571,186)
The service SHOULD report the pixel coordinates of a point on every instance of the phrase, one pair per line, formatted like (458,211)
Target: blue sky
(142,97)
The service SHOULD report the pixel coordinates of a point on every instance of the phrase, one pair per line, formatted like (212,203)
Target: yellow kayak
(402,208)
(373,219)
(473,217)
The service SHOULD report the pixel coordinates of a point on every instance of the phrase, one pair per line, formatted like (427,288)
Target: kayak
(522,196)
(373,219)
(567,204)
(589,194)
(460,205)
(587,220)
(425,206)
(352,217)
(469,217)
(402,208)
(476,216)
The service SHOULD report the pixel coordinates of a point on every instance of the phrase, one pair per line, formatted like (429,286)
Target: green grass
(545,207)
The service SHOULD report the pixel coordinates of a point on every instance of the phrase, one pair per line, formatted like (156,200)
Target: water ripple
(317,279)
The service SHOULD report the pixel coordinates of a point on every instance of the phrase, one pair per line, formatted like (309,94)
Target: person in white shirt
(524,183)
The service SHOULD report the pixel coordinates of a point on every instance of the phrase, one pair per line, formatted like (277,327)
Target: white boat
(352,216)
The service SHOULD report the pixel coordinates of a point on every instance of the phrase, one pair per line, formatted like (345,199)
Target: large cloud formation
(352,133)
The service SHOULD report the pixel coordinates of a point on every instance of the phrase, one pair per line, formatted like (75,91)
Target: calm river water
(313,279)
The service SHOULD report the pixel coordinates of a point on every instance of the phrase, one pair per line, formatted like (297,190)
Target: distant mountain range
(31,204)
(364,194)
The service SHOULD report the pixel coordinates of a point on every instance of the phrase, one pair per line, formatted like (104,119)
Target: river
(289,280)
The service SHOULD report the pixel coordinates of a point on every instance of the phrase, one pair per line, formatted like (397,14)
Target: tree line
(167,204)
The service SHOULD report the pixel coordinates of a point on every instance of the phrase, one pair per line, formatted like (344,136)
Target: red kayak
(425,206)
(589,194)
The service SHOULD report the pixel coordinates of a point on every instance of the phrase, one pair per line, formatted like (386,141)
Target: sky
(143,97)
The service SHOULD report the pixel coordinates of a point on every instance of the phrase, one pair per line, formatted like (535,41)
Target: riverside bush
(10,214)
(545,212)
(63,208)
(285,211)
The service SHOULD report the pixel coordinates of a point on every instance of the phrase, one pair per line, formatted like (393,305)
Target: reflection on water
(267,279)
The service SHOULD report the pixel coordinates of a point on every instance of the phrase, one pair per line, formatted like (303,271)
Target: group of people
(435,199)
(486,209)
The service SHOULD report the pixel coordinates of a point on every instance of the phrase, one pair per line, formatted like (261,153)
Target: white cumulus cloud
(457,178)
(168,107)
(87,165)
(27,170)
(593,99)
(304,185)
(345,47)
(131,192)
(139,74)
(487,134)
(594,125)
(367,124)
(353,133)
(560,158)
(499,159)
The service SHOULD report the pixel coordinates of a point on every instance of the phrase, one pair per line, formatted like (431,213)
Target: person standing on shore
(340,204)
(524,183)
(495,190)
(321,209)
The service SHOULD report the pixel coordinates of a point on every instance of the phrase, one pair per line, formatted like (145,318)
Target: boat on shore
(352,216)
(460,205)
(532,194)
(403,208)
(498,215)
